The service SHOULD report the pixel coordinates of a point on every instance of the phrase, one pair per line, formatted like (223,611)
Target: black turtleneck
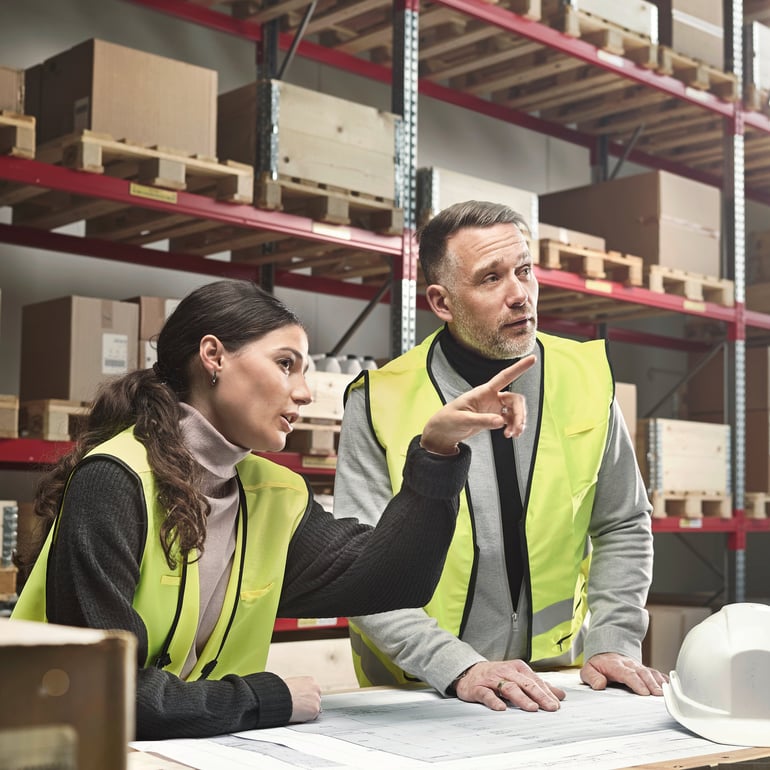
(477,370)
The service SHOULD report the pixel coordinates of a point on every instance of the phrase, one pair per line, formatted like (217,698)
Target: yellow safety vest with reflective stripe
(573,422)
(273,503)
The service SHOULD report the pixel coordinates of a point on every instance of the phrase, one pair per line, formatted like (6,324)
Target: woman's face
(259,390)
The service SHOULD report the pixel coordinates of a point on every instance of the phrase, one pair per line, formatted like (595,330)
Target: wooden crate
(320,156)
(314,437)
(7,583)
(328,391)
(52,419)
(438,188)
(685,465)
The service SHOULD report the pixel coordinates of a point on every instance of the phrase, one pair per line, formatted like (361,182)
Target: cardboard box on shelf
(756,56)
(625,395)
(695,29)
(126,93)
(571,237)
(153,312)
(705,392)
(11,90)
(70,345)
(71,699)
(438,188)
(668,627)
(321,139)
(663,218)
(638,16)
(9,416)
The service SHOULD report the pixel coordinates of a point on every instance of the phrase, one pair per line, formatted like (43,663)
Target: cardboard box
(756,55)
(663,218)
(129,94)
(635,15)
(706,392)
(73,688)
(71,344)
(153,312)
(438,188)
(11,90)
(313,137)
(695,29)
(684,456)
(625,395)
(571,237)
(669,624)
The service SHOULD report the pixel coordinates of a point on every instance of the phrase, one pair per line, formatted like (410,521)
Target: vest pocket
(252,595)
(171,580)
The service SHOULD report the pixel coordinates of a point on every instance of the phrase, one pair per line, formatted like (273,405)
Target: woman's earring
(214,378)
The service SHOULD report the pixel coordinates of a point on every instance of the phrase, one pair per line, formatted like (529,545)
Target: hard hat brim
(716,726)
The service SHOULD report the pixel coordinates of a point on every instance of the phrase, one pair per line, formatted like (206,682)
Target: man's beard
(493,344)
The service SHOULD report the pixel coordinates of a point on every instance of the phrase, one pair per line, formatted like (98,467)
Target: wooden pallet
(52,419)
(7,584)
(610,265)
(17,135)
(314,436)
(332,205)
(692,286)
(696,74)
(756,505)
(691,505)
(605,35)
(756,99)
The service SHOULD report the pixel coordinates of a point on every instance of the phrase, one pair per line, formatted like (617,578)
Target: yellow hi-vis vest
(273,502)
(572,427)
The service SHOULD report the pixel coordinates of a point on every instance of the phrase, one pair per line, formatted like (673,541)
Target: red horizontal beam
(196,206)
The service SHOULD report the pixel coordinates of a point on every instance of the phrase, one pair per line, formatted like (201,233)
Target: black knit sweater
(334,568)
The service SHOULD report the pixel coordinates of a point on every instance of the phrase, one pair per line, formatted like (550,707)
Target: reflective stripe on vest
(276,500)
(572,424)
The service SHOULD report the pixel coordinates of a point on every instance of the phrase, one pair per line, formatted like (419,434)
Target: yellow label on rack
(333,230)
(695,307)
(603,286)
(153,193)
(691,523)
(315,622)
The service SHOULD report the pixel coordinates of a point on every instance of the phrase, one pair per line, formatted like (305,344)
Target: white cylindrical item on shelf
(350,364)
(369,363)
(328,364)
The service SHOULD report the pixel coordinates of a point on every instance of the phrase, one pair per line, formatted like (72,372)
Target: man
(537,512)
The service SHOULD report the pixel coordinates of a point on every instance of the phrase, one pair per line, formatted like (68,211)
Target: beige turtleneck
(217,458)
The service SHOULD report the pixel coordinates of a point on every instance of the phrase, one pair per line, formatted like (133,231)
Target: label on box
(114,353)
(81,114)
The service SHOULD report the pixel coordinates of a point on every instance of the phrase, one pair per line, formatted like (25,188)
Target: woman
(166,525)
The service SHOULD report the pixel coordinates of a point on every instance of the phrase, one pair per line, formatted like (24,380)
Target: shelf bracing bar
(627,150)
(287,60)
(363,315)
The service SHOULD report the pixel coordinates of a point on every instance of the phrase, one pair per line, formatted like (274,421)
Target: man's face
(488,294)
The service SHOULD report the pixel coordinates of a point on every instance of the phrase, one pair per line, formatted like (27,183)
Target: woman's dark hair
(433,235)
(237,313)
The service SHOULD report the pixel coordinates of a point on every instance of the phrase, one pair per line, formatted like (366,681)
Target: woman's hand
(486,407)
(305,698)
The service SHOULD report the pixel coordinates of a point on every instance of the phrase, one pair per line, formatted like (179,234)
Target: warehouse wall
(448,137)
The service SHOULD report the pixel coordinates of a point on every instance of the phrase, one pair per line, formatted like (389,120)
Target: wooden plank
(690,505)
(52,419)
(17,135)
(612,265)
(756,505)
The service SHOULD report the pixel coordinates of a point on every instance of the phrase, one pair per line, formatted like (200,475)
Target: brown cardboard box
(126,93)
(695,29)
(668,627)
(438,188)
(571,237)
(153,312)
(11,89)
(663,218)
(705,390)
(625,395)
(71,344)
(73,689)
(639,16)
(321,139)
(9,416)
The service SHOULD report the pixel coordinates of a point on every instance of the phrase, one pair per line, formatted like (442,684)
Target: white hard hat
(721,686)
